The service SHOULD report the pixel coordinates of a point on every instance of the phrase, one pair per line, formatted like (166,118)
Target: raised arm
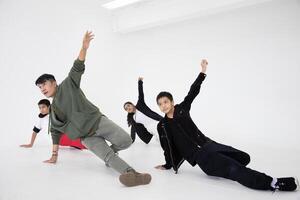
(142,104)
(78,66)
(195,88)
(140,87)
(88,36)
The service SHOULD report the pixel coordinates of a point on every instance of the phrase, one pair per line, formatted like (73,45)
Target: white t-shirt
(41,127)
(41,124)
(150,124)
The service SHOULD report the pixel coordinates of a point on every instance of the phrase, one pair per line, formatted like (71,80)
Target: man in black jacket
(141,118)
(182,140)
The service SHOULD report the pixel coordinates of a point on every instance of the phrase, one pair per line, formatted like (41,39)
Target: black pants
(224,161)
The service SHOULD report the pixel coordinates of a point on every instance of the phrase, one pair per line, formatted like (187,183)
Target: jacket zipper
(172,160)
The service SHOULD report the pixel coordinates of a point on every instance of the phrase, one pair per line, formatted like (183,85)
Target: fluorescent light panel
(119,3)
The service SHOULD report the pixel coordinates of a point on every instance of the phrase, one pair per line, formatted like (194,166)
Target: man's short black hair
(44,102)
(164,94)
(43,78)
(128,102)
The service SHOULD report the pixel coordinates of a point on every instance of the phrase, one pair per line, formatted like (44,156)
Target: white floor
(81,175)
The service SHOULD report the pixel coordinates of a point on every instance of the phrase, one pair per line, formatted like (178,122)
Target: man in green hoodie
(72,113)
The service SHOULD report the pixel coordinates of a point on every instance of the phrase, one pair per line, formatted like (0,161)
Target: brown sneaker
(131,179)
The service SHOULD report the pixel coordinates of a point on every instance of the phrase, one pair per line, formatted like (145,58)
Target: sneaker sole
(131,180)
(297,183)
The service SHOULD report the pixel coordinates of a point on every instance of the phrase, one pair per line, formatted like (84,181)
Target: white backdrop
(250,97)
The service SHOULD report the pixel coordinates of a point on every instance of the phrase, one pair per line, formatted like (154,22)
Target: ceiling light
(119,3)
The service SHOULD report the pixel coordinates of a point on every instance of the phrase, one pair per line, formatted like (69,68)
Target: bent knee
(247,159)
(126,142)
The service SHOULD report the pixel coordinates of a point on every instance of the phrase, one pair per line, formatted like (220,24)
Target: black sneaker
(286,184)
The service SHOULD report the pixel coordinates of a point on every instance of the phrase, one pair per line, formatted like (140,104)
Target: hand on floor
(52,160)
(160,167)
(26,145)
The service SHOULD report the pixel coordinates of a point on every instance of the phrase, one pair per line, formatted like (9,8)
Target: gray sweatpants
(119,139)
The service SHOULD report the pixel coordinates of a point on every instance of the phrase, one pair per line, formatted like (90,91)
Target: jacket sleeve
(165,147)
(56,135)
(76,72)
(141,91)
(141,103)
(194,91)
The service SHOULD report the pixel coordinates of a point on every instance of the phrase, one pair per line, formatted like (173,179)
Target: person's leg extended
(113,133)
(120,140)
(217,164)
(250,178)
(98,146)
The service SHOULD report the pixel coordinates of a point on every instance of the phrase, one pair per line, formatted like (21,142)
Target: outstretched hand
(204,64)
(88,36)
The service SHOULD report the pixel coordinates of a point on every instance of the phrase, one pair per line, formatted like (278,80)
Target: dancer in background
(141,118)
(43,124)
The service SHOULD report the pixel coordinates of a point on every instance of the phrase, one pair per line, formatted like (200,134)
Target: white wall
(251,95)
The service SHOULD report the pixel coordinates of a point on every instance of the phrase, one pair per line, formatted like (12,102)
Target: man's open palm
(88,36)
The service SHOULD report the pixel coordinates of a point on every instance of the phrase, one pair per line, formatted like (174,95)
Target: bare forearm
(85,45)
(55,148)
(82,54)
(33,136)
(53,158)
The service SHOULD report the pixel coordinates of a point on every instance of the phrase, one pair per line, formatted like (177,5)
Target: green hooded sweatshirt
(71,112)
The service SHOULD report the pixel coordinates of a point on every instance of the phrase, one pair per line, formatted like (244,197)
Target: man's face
(129,108)
(165,104)
(44,109)
(48,88)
